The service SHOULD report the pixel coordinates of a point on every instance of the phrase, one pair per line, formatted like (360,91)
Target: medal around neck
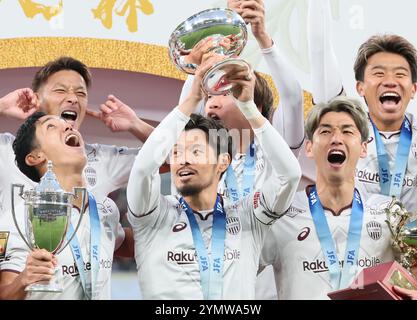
(227,32)
(47,215)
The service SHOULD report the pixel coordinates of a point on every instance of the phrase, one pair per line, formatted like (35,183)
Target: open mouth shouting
(390,100)
(73,140)
(69,115)
(336,157)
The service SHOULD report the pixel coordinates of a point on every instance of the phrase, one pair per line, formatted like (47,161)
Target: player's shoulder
(6,138)
(102,150)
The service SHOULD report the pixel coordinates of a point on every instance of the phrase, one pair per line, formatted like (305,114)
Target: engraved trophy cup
(47,215)
(228,33)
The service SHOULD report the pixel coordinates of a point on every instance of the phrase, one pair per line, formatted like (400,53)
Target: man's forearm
(141,129)
(12,286)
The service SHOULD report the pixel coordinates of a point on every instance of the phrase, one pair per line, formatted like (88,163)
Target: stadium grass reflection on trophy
(218,30)
(403,227)
(47,215)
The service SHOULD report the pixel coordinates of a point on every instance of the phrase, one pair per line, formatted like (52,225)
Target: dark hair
(339,104)
(62,63)
(385,43)
(217,134)
(263,96)
(24,143)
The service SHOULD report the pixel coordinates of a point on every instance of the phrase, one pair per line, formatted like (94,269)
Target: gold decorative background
(100,53)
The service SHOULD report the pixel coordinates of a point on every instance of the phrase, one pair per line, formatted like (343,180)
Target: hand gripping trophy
(220,30)
(47,215)
(403,227)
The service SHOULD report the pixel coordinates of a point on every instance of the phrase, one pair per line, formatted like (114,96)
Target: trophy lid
(48,182)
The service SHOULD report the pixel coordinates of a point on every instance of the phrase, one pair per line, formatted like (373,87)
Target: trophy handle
(20,187)
(82,211)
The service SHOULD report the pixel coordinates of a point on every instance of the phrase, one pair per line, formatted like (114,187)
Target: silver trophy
(48,211)
(228,33)
(403,227)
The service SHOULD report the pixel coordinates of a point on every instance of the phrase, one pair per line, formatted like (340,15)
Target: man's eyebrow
(47,119)
(326,125)
(384,67)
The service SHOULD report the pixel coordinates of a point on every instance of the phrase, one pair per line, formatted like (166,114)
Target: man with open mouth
(334,228)
(85,273)
(60,88)
(386,76)
(286,119)
(199,244)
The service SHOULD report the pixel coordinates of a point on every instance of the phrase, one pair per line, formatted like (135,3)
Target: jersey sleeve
(143,190)
(186,88)
(269,202)
(16,250)
(6,149)
(269,254)
(288,119)
(325,74)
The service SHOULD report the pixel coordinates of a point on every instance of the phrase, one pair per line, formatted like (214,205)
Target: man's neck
(335,196)
(202,201)
(70,179)
(388,126)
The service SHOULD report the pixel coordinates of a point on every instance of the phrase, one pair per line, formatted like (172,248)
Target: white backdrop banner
(152,21)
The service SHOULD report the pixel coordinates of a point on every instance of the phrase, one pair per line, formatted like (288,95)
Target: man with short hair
(61,88)
(286,118)
(40,139)
(333,229)
(386,76)
(200,245)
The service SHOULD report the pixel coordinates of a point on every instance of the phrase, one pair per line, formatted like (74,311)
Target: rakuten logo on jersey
(373,177)
(72,270)
(189,257)
(181,257)
(318,266)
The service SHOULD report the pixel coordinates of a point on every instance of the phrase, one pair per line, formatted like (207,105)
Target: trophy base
(215,82)
(44,287)
(54,285)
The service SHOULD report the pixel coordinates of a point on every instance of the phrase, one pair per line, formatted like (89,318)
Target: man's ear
(364,150)
(34,158)
(360,88)
(309,149)
(224,162)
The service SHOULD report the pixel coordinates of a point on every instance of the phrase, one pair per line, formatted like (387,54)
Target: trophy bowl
(228,34)
(403,227)
(47,216)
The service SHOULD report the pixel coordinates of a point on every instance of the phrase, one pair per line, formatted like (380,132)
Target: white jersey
(294,250)
(107,169)
(111,236)
(367,170)
(286,119)
(164,247)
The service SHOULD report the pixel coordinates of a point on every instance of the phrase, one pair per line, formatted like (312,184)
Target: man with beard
(286,119)
(225,236)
